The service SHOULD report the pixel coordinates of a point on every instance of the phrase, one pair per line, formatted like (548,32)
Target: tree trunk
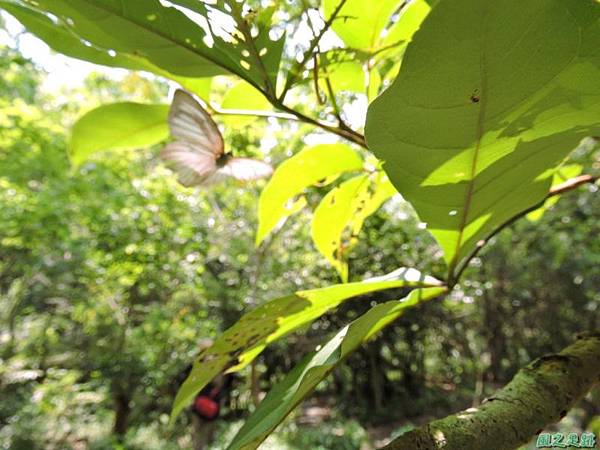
(540,394)
(122,412)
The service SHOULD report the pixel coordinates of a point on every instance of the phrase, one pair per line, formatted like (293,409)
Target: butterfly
(198,155)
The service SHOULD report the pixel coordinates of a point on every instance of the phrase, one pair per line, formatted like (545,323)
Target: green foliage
(302,170)
(110,272)
(360,23)
(469,140)
(243,342)
(303,379)
(60,38)
(243,96)
(119,126)
(409,21)
(345,209)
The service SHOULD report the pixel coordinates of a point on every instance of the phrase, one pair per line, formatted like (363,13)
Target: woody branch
(540,394)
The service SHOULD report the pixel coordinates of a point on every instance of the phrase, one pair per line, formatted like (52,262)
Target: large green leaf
(303,379)
(487,104)
(339,217)
(256,59)
(62,40)
(245,340)
(360,23)
(305,168)
(118,126)
(165,36)
(162,35)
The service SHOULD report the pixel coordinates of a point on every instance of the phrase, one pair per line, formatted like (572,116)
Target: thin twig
(351,135)
(560,189)
(215,110)
(297,68)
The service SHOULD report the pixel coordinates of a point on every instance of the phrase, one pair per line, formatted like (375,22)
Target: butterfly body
(197,154)
(223,160)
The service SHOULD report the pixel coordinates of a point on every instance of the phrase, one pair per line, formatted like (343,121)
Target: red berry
(206,407)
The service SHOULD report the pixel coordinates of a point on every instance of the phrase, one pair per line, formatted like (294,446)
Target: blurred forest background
(110,274)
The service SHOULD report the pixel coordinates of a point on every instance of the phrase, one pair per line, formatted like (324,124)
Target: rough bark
(540,394)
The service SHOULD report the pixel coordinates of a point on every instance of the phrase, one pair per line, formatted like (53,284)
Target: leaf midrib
(479,136)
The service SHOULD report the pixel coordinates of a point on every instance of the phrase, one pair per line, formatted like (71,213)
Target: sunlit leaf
(482,113)
(198,86)
(360,23)
(162,35)
(303,379)
(304,169)
(118,126)
(562,174)
(409,21)
(346,76)
(243,96)
(61,39)
(258,61)
(245,340)
(344,209)
(167,37)
(375,82)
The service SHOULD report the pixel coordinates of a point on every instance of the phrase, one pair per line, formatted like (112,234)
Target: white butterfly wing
(192,167)
(246,169)
(190,123)
(199,144)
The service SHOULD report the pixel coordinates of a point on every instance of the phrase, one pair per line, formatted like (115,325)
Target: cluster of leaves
(471,132)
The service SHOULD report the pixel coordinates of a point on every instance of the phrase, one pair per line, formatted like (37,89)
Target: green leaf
(245,340)
(61,39)
(243,96)
(409,21)
(304,169)
(346,76)
(482,113)
(162,35)
(118,126)
(199,86)
(241,55)
(303,379)
(563,174)
(360,23)
(344,209)
(166,37)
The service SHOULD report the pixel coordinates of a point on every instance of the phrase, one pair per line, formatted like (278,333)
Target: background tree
(111,271)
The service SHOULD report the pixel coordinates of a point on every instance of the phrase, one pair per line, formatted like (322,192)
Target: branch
(540,394)
(560,189)
(291,79)
(350,135)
